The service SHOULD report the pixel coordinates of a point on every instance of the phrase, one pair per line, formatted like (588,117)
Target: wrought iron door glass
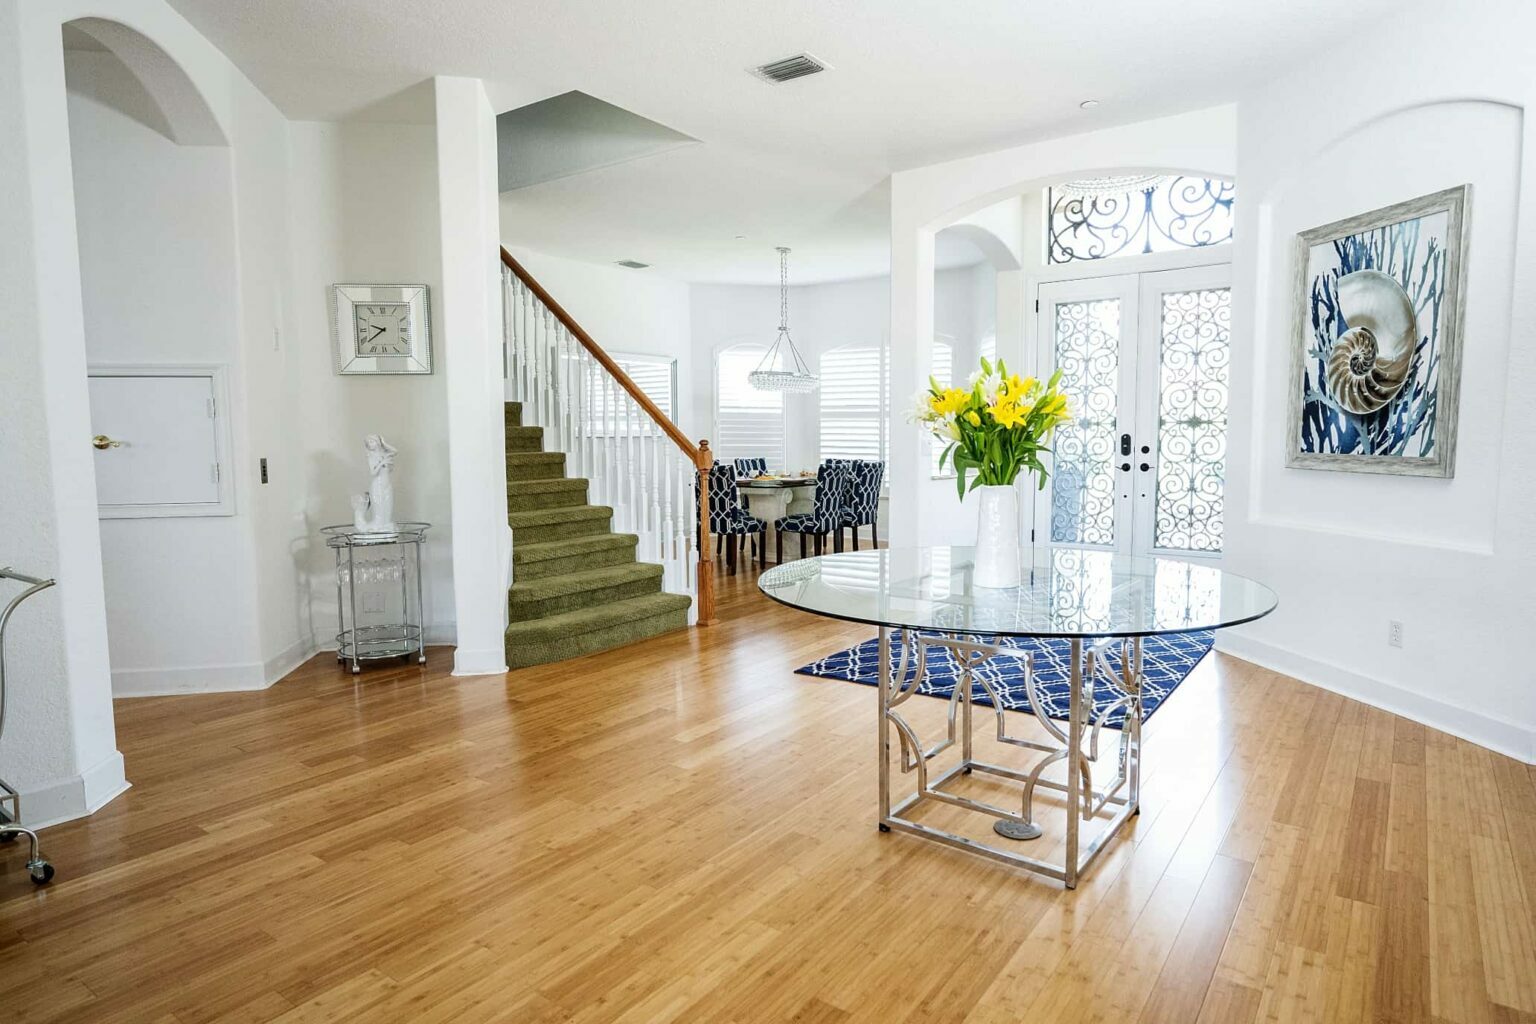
(1083,477)
(1192,419)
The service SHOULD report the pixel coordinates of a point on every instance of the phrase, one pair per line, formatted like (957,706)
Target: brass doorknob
(102,442)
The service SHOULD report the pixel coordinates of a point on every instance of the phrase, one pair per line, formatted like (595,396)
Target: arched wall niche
(185,115)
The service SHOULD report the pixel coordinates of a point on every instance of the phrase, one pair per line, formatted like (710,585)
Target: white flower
(920,411)
(991,384)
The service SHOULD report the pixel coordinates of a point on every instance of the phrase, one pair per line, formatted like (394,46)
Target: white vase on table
(997,537)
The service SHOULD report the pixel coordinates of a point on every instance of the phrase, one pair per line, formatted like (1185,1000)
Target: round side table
(400,562)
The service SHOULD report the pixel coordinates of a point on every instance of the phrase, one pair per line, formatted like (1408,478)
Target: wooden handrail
(699,454)
(614,369)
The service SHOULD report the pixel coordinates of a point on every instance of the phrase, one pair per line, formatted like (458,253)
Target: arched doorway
(154,215)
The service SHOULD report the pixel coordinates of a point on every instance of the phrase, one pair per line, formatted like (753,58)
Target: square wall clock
(381,328)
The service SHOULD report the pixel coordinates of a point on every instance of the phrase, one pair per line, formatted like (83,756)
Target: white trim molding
(1510,738)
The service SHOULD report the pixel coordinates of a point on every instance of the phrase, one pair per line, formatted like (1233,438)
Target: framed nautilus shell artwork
(1376,358)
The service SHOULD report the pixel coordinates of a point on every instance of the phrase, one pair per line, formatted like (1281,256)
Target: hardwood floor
(684,831)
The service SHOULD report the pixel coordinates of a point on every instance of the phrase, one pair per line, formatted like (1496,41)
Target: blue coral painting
(1358,396)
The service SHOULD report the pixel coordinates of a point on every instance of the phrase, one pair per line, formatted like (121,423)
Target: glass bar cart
(371,564)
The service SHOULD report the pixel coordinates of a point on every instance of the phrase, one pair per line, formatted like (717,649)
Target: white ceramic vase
(997,537)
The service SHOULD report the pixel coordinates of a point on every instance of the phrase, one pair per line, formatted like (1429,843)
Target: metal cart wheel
(42,872)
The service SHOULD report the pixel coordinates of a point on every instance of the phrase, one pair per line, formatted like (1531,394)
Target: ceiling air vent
(789,68)
(632,264)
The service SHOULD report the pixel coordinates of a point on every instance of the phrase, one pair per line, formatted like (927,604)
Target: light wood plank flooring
(684,831)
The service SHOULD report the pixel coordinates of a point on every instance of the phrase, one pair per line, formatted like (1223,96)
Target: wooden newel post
(706,580)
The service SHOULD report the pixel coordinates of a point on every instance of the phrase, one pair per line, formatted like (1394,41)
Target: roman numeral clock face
(383,329)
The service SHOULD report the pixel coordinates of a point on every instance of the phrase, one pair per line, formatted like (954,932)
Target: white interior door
(1144,358)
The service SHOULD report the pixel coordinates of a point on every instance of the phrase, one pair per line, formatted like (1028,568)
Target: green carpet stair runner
(577,587)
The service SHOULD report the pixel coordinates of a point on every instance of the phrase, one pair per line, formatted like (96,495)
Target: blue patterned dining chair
(861,503)
(749,468)
(727,517)
(831,481)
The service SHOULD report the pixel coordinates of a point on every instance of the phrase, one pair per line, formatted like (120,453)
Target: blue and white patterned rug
(1166,662)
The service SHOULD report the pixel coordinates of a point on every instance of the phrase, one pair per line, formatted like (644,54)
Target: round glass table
(1101,603)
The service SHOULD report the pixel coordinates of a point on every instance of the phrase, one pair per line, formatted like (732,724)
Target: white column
(60,746)
(469,319)
(911,355)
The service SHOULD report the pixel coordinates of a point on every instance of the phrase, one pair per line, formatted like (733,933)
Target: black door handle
(1145,467)
(1125,467)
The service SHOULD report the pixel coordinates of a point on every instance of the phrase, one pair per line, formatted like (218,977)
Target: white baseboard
(1509,738)
(170,682)
(479,663)
(75,797)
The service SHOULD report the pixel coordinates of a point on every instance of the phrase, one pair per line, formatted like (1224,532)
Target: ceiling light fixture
(798,378)
(1115,184)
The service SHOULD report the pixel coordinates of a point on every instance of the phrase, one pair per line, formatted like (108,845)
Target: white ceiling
(802,164)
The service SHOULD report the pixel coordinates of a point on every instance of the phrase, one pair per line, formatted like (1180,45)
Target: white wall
(625,311)
(365,212)
(1450,559)
(156,224)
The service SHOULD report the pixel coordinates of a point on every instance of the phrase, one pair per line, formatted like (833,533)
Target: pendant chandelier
(1119,184)
(798,377)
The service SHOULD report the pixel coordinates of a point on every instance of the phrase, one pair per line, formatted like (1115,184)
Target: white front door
(1144,358)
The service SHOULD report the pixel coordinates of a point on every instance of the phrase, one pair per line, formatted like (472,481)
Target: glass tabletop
(1066,592)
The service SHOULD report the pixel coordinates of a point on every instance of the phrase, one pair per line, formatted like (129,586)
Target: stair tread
(563,514)
(536,456)
(616,613)
(585,579)
(548,484)
(539,551)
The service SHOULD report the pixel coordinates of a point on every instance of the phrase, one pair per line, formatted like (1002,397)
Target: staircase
(577,587)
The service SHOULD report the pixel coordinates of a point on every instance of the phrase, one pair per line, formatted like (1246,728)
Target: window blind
(854,397)
(748,423)
(656,376)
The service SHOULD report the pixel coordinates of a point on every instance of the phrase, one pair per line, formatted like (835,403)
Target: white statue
(374,512)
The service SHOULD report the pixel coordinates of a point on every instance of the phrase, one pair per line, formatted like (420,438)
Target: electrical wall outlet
(1395,633)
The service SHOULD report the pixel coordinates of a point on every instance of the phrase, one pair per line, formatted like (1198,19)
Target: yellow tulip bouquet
(997,427)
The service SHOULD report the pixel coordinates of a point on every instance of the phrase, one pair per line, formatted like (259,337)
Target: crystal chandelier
(798,377)
(1118,184)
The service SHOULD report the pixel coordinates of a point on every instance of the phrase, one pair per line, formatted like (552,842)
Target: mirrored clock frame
(353,356)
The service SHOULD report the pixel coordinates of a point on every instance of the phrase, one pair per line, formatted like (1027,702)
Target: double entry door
(1141,468)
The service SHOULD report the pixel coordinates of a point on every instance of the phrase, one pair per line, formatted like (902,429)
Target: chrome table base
(1078,745)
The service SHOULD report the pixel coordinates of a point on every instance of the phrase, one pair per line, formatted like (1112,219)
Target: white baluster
(568,365)
(579,409)
(588,396)
(525,349)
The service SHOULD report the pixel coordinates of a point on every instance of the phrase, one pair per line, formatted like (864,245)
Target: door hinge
(213,408)
(1031,536)
(1037,305)
(215,472)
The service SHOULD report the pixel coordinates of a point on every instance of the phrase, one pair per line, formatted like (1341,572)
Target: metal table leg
(1083,801)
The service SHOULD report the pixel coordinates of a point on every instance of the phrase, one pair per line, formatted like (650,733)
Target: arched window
(1131,215)
(749,423)
(854,401)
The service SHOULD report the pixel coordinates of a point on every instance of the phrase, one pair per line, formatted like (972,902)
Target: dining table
(769,498)
(1093,610)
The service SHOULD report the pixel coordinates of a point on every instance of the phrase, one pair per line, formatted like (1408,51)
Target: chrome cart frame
(391,640)
(1083,801)
(10,822)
